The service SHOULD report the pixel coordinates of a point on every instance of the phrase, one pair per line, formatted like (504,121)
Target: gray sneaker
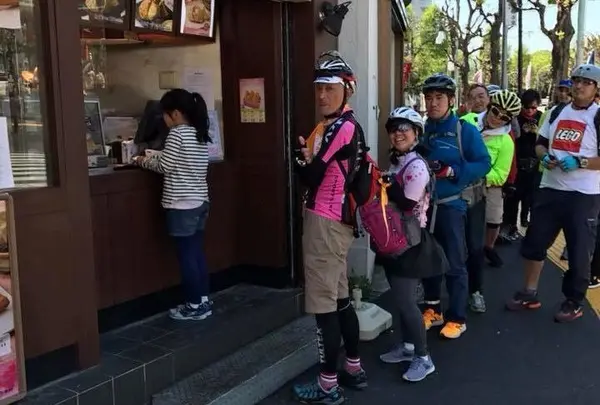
(477,303)
(419,368)
(398,354)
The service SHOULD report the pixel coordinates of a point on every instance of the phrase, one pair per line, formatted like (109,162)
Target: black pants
(475,242)
(526,184)
(595,266)
(577,215)
(410,319)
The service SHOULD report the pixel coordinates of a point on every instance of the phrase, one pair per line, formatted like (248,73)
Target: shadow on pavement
(504,358)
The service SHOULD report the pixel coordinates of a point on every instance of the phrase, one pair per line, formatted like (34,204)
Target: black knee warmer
(492,226)
(328,341)
(349,327)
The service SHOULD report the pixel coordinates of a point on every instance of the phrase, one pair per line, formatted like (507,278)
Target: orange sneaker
(453,330)
(431,318)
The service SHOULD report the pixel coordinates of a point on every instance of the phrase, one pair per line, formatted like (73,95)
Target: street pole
(456,44)
(579,56)
(504,44)
(520,54)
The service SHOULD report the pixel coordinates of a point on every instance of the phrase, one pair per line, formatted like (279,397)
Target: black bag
(425,260)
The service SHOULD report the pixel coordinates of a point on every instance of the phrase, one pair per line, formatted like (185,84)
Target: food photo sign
(154,15)
(252,100)
(198,18)
(104,11)
(12,360)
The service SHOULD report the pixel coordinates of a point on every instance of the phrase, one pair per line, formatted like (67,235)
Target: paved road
(503,358)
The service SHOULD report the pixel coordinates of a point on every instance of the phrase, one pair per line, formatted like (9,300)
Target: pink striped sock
(327,381)
(353,365)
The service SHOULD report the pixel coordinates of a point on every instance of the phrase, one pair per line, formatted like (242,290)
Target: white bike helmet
(406,114)
(507,100)
(587,71)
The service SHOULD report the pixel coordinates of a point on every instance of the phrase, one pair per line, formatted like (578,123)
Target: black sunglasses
(500,114)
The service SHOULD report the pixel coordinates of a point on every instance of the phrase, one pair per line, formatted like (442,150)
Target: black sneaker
(568,312)
(524,223)
(523,300)
(357,381)
(313,393)
(493,257)
(594,282)
(187,312)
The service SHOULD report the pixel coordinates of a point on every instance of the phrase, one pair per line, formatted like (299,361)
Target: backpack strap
(555,112)
(459,139)
(597,126)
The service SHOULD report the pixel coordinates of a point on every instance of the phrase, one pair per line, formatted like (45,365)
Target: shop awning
(399,17)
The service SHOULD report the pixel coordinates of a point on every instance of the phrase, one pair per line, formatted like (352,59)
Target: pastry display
(103,10)
(154,14)
(197,18)
(198,11)
(252,99)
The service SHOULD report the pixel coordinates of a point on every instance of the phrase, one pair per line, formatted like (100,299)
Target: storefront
(74,76)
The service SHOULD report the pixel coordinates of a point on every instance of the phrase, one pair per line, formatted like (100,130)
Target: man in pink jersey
(326,158)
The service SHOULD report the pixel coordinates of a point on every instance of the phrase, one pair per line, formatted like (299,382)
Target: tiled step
(145,358)
(252,373)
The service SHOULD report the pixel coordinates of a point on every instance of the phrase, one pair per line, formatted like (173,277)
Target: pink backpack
(392,231)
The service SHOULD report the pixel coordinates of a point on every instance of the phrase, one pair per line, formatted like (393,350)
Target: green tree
(541,72)
(426,57)
(560,35)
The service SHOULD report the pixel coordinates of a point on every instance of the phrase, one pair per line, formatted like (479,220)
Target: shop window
(23,133)
(127,69)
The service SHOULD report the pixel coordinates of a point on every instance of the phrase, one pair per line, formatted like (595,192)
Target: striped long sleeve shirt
(184,163)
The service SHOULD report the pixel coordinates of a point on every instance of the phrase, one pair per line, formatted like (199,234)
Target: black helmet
(439,81)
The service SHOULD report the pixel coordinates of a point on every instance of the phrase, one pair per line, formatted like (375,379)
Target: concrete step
(252,373)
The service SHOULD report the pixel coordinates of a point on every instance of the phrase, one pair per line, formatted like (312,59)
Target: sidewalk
(504,358)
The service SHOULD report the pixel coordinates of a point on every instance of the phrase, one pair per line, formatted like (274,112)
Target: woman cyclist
(409,177)
(495,126)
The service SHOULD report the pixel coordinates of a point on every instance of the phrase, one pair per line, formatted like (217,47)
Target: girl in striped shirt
(184,164)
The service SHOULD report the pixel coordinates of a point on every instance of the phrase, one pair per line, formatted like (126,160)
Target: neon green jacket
(471,118)
(501,148)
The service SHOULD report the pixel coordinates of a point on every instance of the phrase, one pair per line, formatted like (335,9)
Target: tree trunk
(465,71)
(495,42)
(561,43)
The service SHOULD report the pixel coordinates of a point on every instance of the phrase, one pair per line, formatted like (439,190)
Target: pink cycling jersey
(330,194)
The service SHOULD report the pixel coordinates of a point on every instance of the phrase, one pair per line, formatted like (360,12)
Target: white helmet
(587,71)
(407,114)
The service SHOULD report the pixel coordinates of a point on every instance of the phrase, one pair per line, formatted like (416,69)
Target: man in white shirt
(568,198)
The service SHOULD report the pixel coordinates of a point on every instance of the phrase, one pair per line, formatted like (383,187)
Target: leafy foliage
(426,56)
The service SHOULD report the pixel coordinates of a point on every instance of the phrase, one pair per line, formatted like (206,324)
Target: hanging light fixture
(332,15)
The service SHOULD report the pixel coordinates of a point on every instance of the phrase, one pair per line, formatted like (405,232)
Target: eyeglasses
(531,107)
(585,82)
(500,114)
(398,127)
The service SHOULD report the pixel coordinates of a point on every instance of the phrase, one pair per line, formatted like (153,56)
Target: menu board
(104,11)
(155,15)
(12,364)
(198,17)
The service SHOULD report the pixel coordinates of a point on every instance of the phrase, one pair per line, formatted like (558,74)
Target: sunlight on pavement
(593,296)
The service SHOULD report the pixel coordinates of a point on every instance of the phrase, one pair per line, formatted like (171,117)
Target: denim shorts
(187,222)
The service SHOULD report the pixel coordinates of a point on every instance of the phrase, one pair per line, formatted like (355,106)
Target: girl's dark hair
(529,97)
(192,106)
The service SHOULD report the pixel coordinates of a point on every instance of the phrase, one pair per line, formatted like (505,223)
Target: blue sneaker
(419,368)
(398,354)
(313,393)
(188,313)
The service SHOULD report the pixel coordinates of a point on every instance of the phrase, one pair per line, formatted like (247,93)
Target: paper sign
(215,149)
(252,100)
(6,174)
(200,81)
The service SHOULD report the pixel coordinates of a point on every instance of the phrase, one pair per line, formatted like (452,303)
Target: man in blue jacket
(458,157)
